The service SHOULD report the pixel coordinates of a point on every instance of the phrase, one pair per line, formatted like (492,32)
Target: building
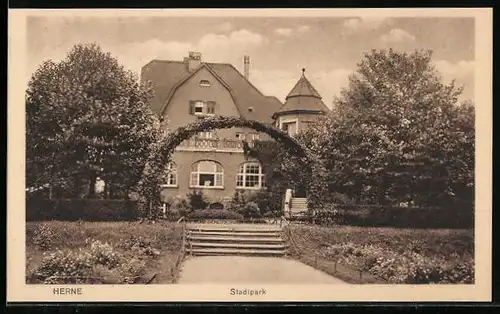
(214,161)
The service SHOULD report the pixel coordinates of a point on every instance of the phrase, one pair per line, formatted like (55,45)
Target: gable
(190,90)
(167,76)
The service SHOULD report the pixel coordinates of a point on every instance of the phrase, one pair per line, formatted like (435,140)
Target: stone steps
(237,245)
(231,238)
(239,234)
(234,240)
(237,252)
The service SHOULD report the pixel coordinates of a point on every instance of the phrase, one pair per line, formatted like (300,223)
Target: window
(204,83)
(211,107)
(207,173)
(240,136)
(255,136)
(250,176)
(289,127)
(171,172)
(207,134)
(200,108)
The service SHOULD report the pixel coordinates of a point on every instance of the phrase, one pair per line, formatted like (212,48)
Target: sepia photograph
(248,150)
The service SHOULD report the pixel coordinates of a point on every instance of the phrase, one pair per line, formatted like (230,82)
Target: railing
(212,144)
(335,267)
(182,250)
(283,221)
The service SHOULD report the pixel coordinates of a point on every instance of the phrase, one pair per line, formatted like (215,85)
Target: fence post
(316,260)
(360,275)
(335,266)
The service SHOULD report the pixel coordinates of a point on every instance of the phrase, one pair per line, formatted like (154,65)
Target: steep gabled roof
(163,75)
(303,97)
(167,76)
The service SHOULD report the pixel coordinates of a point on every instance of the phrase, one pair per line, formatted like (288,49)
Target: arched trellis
(149,185)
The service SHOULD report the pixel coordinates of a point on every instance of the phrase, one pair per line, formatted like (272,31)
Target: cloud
(224,27)
(397,36)
(303,28)
(279,83)
(283,32)
(364,23)
(213,48)
(461,70)
(133,56)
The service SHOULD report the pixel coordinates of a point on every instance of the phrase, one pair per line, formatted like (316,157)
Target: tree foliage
(161,155)
(398,134)
(88,118)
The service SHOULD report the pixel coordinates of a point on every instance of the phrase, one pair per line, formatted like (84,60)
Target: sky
(329,48)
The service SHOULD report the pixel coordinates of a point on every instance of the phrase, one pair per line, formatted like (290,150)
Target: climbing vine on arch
(153,175)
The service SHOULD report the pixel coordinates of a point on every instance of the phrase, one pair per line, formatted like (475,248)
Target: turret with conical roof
(302,104)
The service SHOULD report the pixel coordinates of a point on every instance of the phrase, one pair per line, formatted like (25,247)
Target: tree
(88,118)
(398,134)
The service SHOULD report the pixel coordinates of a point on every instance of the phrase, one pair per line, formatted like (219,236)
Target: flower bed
(403,256)
(99,252)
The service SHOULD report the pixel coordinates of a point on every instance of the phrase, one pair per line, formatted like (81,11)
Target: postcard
(249,155)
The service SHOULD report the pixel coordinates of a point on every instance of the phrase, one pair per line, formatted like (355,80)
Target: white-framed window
(202,108)
(240,136)
(211,108)
(289,126)
(206,134)
(207,174)
(171,171)
(204,83)
(250,176)
(198,107)
(254,136)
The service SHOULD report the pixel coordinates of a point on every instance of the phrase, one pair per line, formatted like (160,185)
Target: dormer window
(250,109)
(204,83)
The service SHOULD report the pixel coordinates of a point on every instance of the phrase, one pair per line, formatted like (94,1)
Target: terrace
(211,144)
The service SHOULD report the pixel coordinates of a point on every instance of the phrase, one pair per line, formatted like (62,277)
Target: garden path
(251,269)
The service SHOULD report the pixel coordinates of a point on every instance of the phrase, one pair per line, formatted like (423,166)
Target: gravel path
(242,269)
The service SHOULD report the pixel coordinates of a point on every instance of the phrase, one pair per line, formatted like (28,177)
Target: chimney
(194,60)
(246,63)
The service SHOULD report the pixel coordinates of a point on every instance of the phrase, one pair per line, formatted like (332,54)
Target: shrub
(197,200)
(214,214)
(104,254)
(81,209)
(43,236)
(395,216)
(396,255)
(132,270)
(264,199)
(182,206)
(271,214)
(140,245)
(250,210)
(408,267)
(253,220)
(81,265)
(64,266)
(216,205)
(173,215)
(238,200)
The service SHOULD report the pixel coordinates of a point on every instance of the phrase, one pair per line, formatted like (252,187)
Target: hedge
(214,214)
(400,217)
(81,209)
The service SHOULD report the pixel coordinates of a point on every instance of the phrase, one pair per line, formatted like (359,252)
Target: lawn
(101,252)
(404,256)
